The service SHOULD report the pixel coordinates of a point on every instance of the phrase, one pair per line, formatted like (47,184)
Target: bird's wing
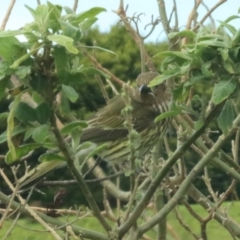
(108,123)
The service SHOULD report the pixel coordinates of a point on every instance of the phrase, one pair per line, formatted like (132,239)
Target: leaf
(213,43)
(25,113)
(23,71)
(21,152)
(3,85)
(68,128)
(166,115)
(100,48)
(226,117)
(222,91)
(4,116)
(10,125)
(61,62)
(70,93)
(47,157)
(10,49)
(28,134)
(85,25)
(65,41)
(198,124)
(174,54)
(43,112)
(70,30)
(167,74)
(94,71)
(55,15)
(93,12)
(206,69)
(17,130)
(40,133)
(24,57)
(184,33)
(4,34)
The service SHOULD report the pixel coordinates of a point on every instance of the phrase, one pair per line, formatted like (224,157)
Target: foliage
(54,74)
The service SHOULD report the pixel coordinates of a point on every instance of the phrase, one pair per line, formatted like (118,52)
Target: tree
(47,70)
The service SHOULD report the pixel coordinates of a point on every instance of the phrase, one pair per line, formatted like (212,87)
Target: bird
(107,125)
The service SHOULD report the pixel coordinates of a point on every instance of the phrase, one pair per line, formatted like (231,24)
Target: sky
(20,15)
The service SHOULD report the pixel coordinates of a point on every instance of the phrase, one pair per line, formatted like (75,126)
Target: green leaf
(4,34)
(174,54)
(43,113)
(25,57)
(236,38)
(25,113)
(68,10)
(11,123)
(32,11)
(206,69)
(61,62)
(184,33)
(213,43)
(21,152)
(166,115)
(93,12)
(68,128)
(17,130)
(28,134)
(226,117)
(229,65)
(85,25)
(65,41)
(198,124)
(70,93)
(222,91)
(23,71)
(69,30)
(94,71)
(55,15)
(3,85)
(40,133)
(4,70)
(47,157)
(3,116)
(10,49)
(167,74)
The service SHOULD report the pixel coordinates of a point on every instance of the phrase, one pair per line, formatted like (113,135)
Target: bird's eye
(144,89)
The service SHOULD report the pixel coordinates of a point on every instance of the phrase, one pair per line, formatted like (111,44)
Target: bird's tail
(37,173)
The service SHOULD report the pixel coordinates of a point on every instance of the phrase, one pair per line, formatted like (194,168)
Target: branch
(168,165)
(100,67)
(75,5)
(136,37)
(191,176)
(32,213)
(8,13)
(85,233)
(208,14)
(82,184)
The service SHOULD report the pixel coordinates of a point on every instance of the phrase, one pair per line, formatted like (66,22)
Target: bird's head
(146,94)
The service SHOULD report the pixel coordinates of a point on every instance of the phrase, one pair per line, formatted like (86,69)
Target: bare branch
(75,5)
(208,14)
(8,13)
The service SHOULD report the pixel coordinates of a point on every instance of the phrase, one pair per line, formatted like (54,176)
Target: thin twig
(208,14)
(75,5)
(8,13)
(33,214)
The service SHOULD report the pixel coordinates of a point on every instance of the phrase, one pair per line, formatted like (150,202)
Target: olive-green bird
(107,126)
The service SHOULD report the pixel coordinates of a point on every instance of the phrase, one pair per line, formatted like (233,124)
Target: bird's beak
(144,89)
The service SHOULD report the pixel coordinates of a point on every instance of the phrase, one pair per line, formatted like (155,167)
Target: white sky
(20,15)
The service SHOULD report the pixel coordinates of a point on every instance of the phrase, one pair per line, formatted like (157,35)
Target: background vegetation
(57,77)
